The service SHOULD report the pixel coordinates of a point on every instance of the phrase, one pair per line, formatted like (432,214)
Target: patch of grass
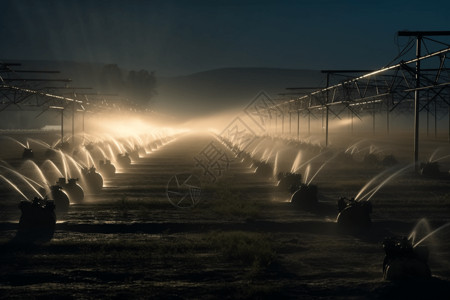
(252,249)
(228,202)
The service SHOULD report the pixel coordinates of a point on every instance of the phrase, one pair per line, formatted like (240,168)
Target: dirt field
(242,240)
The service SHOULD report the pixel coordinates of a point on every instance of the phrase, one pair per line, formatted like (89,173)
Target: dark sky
(180,37)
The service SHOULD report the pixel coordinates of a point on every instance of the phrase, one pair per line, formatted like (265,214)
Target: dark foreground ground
(243,240)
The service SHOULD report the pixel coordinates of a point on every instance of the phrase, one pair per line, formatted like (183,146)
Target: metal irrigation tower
(419,36)
(25,94)
(399,86)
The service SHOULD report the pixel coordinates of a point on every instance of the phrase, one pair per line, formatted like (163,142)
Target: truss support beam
(421,34)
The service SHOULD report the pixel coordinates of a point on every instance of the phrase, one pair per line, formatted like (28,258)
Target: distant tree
(141,86)
(138,86)
(111,79)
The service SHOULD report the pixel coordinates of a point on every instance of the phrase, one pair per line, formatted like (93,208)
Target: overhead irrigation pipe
(49,95)
(393,67)
(11,87)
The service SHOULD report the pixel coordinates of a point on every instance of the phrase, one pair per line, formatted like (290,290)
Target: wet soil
(243,240)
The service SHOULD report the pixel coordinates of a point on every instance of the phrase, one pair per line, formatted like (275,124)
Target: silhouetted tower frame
(419,36)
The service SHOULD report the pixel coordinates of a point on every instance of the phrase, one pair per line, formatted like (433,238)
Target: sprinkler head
(93,180)
(124,159)
(27,153)
(354,215)
(288,181)
(107,169)
(72,181)
(74,190)
(133,153)
(60,198)
(403,260)
(305,196)
(430,169)
(37,221)
(61,182)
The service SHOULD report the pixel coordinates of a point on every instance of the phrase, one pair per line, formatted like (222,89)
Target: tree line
(137,86)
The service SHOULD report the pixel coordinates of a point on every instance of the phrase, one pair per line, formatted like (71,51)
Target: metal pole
(373,121)
(282,124)
(269,127)
(349,114)
(276,123)
(73,124)
(416,104)
(435,119)
(387,118)
(62,126)
(298,124)
(323,120)
(326,122)
(352,123)
(290,127)
(84,113)
(326,129)
(309,123)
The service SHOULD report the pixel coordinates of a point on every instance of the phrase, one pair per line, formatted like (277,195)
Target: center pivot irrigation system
(421,83)
(35,94)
